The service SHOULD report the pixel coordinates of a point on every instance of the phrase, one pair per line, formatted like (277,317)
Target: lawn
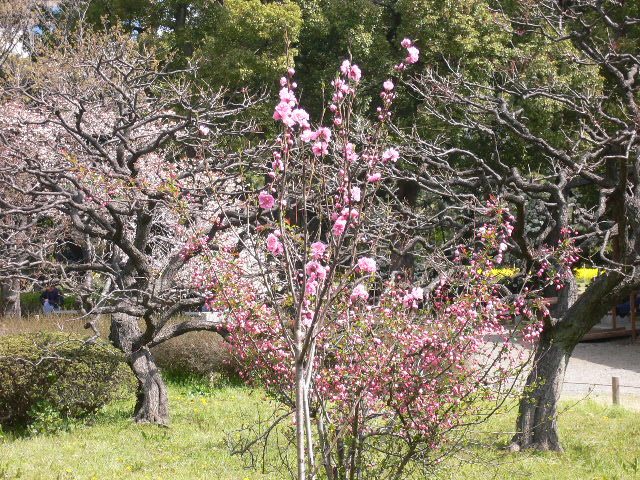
(601,443)
(113,447)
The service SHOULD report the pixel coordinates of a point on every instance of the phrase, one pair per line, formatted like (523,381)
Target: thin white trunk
(300,423)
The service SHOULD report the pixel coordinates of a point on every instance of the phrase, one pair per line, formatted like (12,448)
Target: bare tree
(586,175)
(134,161)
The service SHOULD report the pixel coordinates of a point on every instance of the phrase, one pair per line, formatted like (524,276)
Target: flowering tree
(376,369)
(575,64)
(99,139)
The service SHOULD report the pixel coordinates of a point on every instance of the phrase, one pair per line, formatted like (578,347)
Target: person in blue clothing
(624,309)
(51,299)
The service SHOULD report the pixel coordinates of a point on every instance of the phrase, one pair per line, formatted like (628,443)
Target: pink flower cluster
(352,72)
(196,244)
(316,274)
(413,54)
(273,243)
(411,298)
(286,112)
(367,265)
(359,293)
(265,200)
(318,249)
(401,353)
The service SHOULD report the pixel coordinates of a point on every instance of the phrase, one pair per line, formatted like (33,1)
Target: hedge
(54,371)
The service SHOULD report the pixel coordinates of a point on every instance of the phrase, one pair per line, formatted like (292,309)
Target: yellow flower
(586,274)
(503,272)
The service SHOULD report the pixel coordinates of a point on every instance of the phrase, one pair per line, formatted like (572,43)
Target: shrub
(195,353)
(49,371)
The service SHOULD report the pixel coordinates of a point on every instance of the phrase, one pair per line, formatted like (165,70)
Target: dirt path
(594,363)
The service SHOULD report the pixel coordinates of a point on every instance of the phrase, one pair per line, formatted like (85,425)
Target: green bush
(51,374)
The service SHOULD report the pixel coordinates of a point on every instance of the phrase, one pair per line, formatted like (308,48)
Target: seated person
(51,299)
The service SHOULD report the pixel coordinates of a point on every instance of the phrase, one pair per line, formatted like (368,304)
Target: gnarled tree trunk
(152,405)
(537,423)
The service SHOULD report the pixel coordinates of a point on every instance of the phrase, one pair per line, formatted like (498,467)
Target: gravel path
(594,363)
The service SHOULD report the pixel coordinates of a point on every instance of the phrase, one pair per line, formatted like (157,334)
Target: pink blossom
(291,71)
(339,226)
(287,96)
(388,85)
(315,270)
(344,68)
(318,249)
(350,151)
(319,148)
(354,73)
(274,245)
(390,155)
(311,287)
(410,299)
(265,200)
(367,264)
(406,43)
(323,133)
(283,81)
(301,117)
(413,55)
(204,130)
(359,293)
(374,177)
(355,194)
(282,110)
(307,135)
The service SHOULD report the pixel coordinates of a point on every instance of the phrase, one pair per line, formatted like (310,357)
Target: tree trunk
(537,423)
(152,405)
(10,290)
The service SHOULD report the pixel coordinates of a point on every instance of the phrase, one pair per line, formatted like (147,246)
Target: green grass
(114,447)
(600,443)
